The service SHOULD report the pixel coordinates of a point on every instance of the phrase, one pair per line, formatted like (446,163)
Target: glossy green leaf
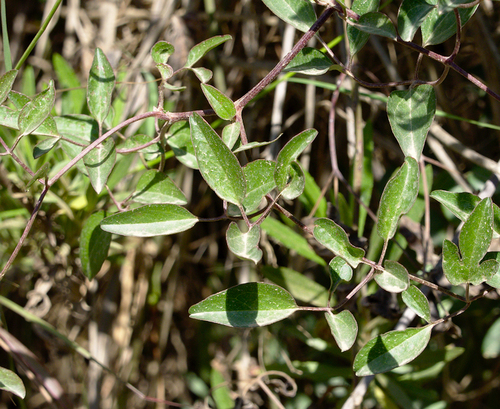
(149,221)
(253,145)
(390,350)
(311,196)
(394,278)
(42,147)
(94,245)
(160,53)
(244,245)
(156,187)
(259,176)
(490,347)
(357,39)
(297,13)
(376,23)
(218,165)
(309,61)
(6,82)
(39,174)
(222,105)
(231,133)
(245,306)
(99,163)
(411,113)
(339,270)
(150,152)
(37,110)
(199,50)
(289,153)
(301,287)
(417,301)
(11,382)
(411,15)
(203,74)
(179,139)
(73,100)
(398,198)
(100,86)
(344,328)
(444,6)
(296,182)
(290,239)
(334,238)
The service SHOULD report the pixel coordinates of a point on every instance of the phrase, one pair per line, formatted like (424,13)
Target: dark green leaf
(199,50)
(222,105)
(99,163)
(42,147)
(411,15)
(94,245)
(376,23)
(298,13)
(39,174)
(37,110)
(417,301)
(6,82)
(244,245)
(344,328)
(357,39)
(10,382)
(179,139)
(100,86)
(394,278)
(309,61)
(156,187)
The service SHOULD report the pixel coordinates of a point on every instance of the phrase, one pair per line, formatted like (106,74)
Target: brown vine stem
(436,287)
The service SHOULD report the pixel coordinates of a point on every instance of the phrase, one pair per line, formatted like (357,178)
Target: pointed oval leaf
(218,165)
(42,147)
(48,127)
(231,133)
(244,245)
(289,153)
(495,280)
(149,221)
(150,152)
(99,163)
(246,306)
(357,39)
(417,301)
(490,347)
(339,270)
(460,204)
(100,86)
(334,238)
(259,176)
(378,24)
(94,245)
(411,15)
(199,50)
(11,382)
(203,74)
(297,13)
(37,110)
(476,234)
(309,61)
(222,105)
(161,52)
(6,82)
(156,187)
(296,182)
(179,139)
(394,278)
(253,145)
(344,328)
(411,114)
(39,174)
(390,350)
(398,197)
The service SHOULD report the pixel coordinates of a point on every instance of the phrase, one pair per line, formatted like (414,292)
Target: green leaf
(203,74)
(411,114)
(390,350)
(411,15)
(298,13)
(100,86)
(398,198)
(339,270)
(490,347)
(156,187)
(245,306)
(160,53)
(220,390)
(72,101)
(39,174)
(37,110)
(99,163)
(417,301)
(218,165)
(179,139)
(244,245)
(48,127)
(290,239)
(296,182)
(289,153)
(357,39)
(253,145)
(149,221)
(6,83)
(259,176)
(199,50)
(150,152)
(42,147)
(94,245)
(301,287)
(495,280)
(222,105)
(394,278)
(311,196)
(334,238)
(309,61)
(10,382)
(376,23)
(231,133)
(344,328)
(18,99)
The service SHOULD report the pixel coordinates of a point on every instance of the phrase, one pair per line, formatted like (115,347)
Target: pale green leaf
(309,61)
(47,128)
(376,23)
(253,145)
(39,174)
(312,195)
(6,82)
(417,301)
(42,147)
(220,390)
(344,328)
(156,187)
(246,305)
(11,382)
(411,15)
(357,39)
(37,110)
(394,278)
(339,270)
(199,50)
(490,347)
(160,53)
(94,245)
(296,182)
(149,221)
(221,104)
(99,163)
(18,99)
(100,86)
(298,13)
(73,100)
(150,152)
(244,245)
(259,176)
(179,139)
(203,74)
(495,280)
(231,133)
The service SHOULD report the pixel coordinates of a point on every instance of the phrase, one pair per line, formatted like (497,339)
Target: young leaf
(42,147)
(309,61)
(390,350)
(398,198)
(357,39)
(37,110)
(344,328)
(99,163)
(333,237)
(203,74)
(376,23)
(417,301)
(160,53)
(297,13)
(411,15)
(218,165)
(222,105)
(244,245)
(246,306)
(179,139)
(6,82)
(394,278)
(296,182)
(259,176)
(156,187)
(39,174)
(411,114)
(339,270)
(231,133)
(252,145)
(149,221)
(10,382)
(94,245)
(100,86)
(150,152)
(490,347)
(199,50)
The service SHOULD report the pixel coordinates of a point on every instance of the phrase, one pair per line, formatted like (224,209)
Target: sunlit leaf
(231,133)
(99,163)
(160,53)
(156,187)
(344,328)
(11,382)
(357,39)
(94,245)
(6,82)
(417,301)
(340,271)
(297,13)
(296,182)
(221,104)
(253,145)
(37,110)
(100,86)
(150,152)
(199,50)
(394,278)
(244,245)
(203,74)
(411,15)
(309,61)
(179,139)
(259,176)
